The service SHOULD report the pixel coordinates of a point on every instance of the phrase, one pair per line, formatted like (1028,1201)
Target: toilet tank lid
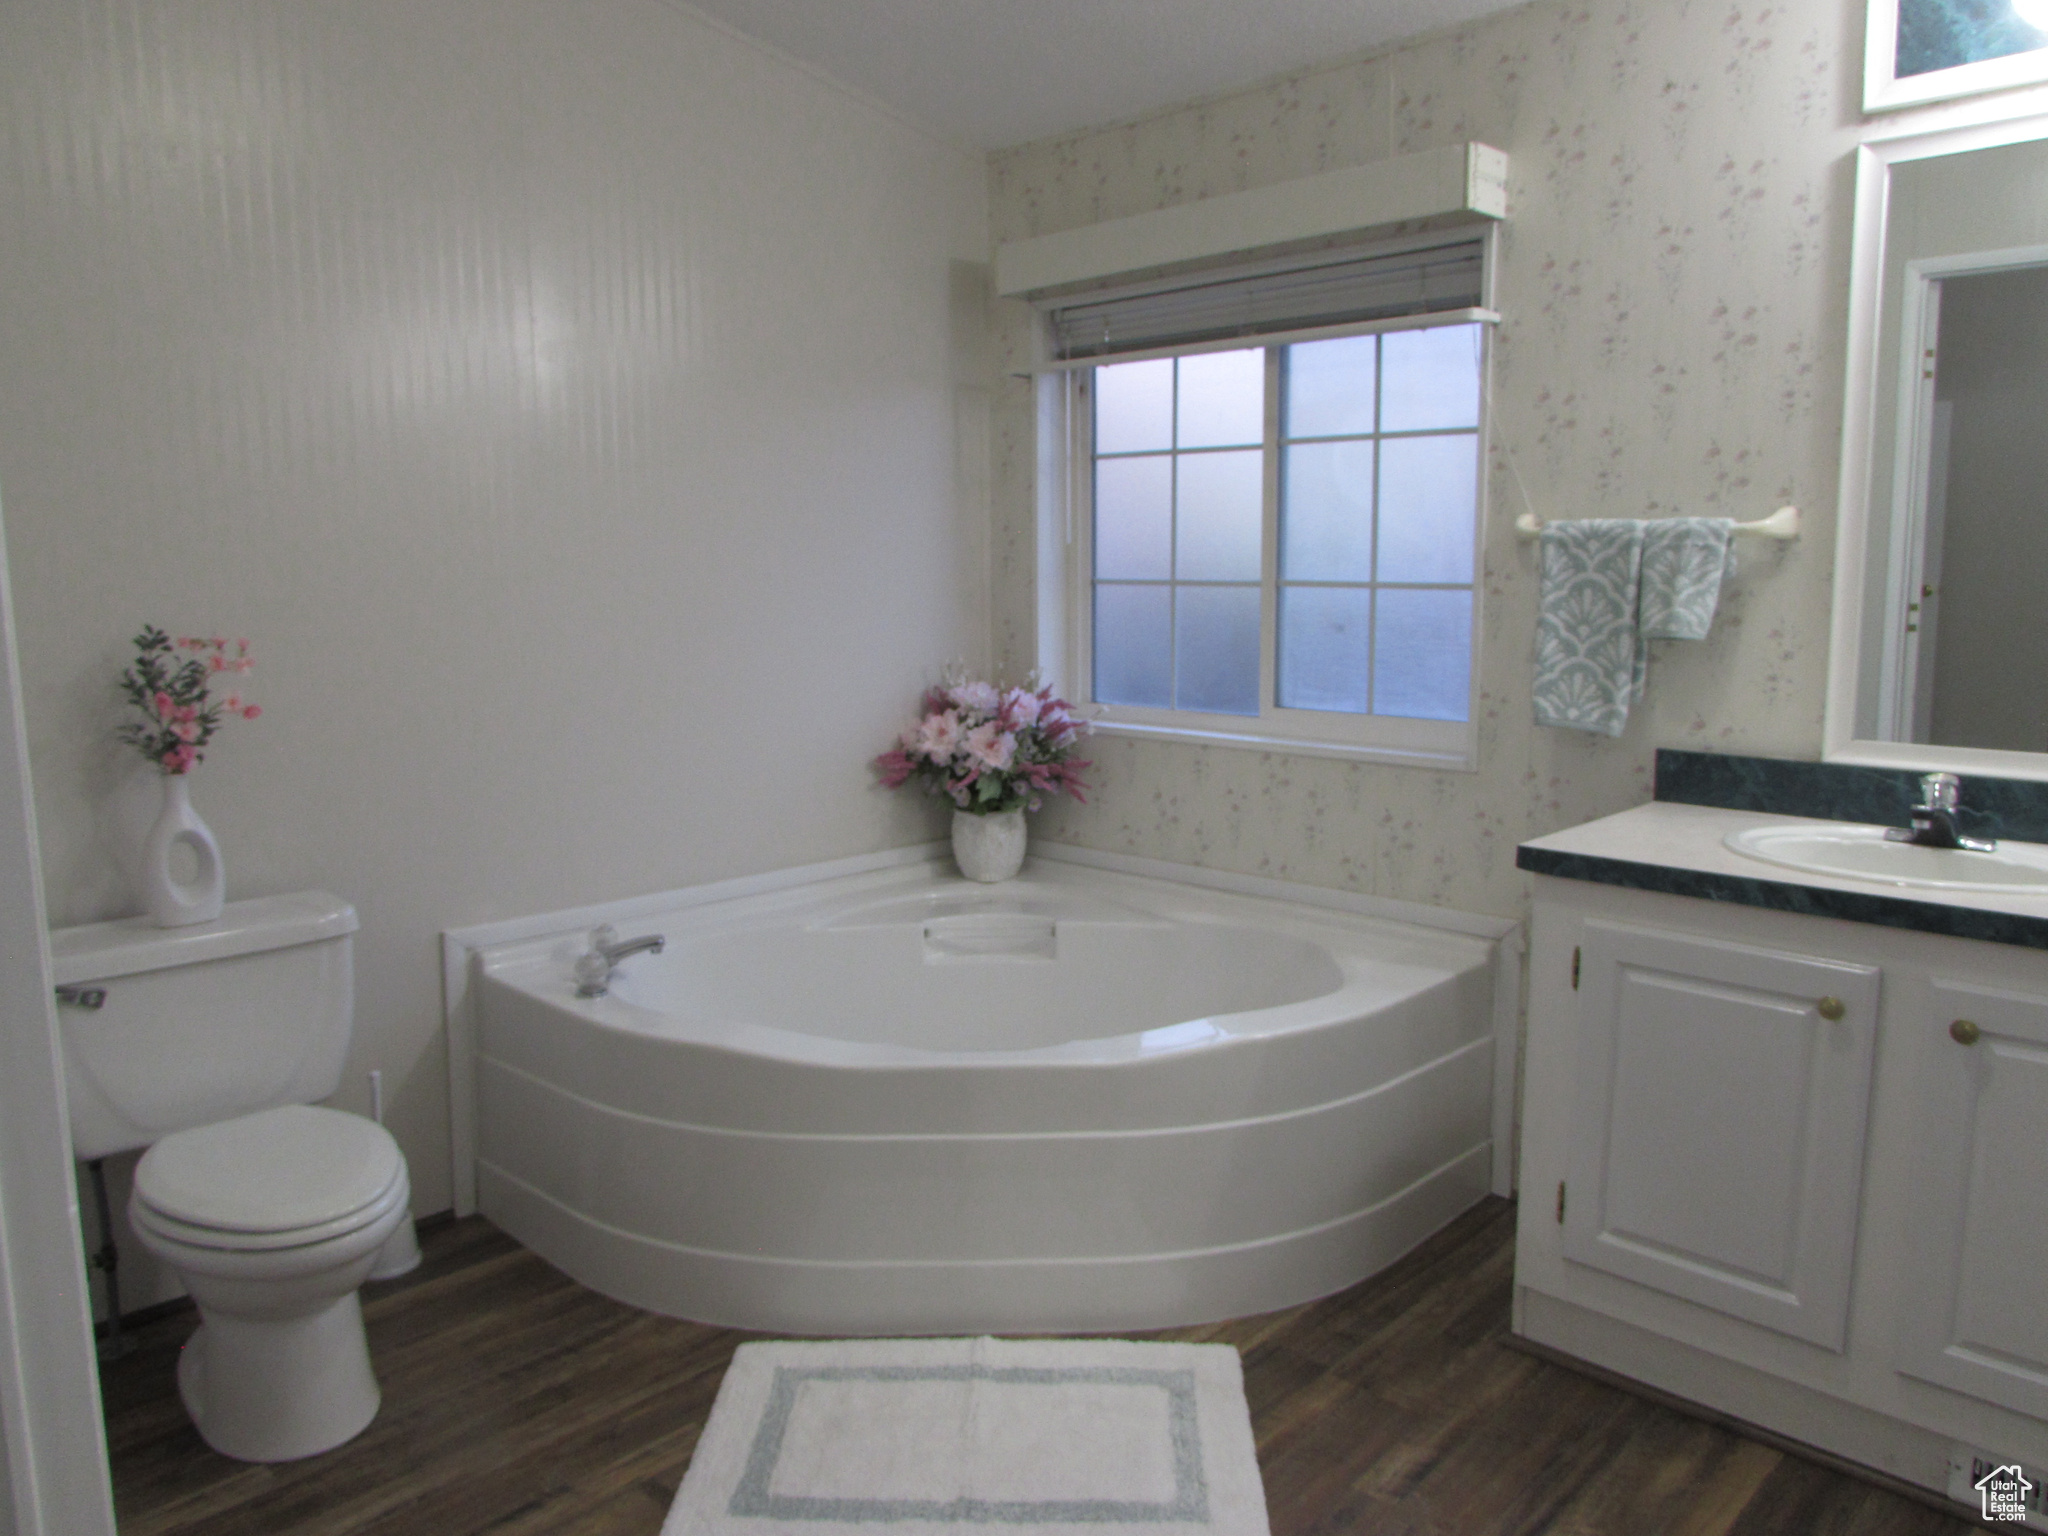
(128,946)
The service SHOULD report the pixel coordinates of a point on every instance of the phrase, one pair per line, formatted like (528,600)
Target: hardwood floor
(518,1403)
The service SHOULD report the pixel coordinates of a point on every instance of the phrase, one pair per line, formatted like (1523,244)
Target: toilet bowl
(273,1221)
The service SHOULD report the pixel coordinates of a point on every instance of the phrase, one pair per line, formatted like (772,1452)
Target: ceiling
(993,73)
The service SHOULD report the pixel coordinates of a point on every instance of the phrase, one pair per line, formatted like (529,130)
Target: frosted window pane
(1330,386)
(1134,518)
(1429,379)
(1223,399)
(1428,487)
(1216,633)
(1326,513)
(1325,647)
(1422,655)
(1134,645)
(1221,509)
(1134,406)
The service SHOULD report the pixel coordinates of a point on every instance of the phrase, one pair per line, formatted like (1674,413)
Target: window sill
(1253,740)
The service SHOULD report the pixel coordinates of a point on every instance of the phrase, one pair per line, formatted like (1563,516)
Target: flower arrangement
(171,684)
(990,749)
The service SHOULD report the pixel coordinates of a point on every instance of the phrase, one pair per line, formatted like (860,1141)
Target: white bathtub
(894,1102)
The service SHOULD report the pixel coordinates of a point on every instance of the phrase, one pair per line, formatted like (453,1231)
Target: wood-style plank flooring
(518,1403)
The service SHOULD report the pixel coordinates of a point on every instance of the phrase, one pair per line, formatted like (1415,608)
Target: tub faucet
(594,969)
(1934,819)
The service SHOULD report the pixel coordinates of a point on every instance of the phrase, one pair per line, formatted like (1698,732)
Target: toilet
(209,1045)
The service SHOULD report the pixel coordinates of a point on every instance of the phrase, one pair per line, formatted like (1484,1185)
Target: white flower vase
(988,848)
(172,902)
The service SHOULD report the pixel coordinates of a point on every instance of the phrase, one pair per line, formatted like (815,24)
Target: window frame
(1067,416)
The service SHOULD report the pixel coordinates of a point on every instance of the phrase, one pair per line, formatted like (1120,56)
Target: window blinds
(1333,291)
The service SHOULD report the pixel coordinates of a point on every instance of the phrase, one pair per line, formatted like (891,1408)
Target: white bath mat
(942,1435)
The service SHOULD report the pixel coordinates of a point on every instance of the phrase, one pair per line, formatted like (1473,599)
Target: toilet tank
(201,1024)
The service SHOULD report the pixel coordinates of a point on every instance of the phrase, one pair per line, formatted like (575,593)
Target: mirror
(1940,635)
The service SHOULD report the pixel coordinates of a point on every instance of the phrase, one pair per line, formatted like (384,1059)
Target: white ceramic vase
(988,848)
(172,902)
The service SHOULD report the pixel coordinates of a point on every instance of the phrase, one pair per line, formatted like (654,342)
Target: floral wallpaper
(1673,281)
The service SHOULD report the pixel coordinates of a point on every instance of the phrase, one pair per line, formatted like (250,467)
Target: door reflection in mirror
(1968,599)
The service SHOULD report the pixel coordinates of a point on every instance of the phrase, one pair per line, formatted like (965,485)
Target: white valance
(1468,180)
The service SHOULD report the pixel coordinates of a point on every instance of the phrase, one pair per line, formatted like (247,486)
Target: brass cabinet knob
(1963,1032)
(1830,1008)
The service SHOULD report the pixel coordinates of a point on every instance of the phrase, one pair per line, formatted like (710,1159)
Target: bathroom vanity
(1785,1139)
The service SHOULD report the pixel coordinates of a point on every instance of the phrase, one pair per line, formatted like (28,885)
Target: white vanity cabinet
(1717,1137)
(1977,1311)
(1759,1172)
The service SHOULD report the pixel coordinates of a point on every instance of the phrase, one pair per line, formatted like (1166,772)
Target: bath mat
(940,1435)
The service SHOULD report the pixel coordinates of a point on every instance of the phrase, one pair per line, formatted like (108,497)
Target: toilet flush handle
(79,996)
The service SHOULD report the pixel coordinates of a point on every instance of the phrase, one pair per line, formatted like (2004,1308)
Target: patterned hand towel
(1685,560)
(1586,638)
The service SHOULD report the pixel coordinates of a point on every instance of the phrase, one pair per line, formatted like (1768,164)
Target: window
(1277,545)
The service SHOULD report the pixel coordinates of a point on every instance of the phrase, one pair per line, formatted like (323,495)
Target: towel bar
(1781,524)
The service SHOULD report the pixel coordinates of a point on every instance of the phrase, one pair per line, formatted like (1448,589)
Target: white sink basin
(1862,853)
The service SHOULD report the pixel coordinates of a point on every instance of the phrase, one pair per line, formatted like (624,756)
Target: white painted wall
(583,411)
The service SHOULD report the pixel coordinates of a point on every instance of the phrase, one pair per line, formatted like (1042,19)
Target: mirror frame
(1884,91)
(1839,743)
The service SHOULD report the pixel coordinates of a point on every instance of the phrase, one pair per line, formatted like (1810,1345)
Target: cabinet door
(1717,1146)
(1979,1318)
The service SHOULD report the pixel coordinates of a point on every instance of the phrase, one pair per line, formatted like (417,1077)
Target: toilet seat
(281,1178)
(196,1235)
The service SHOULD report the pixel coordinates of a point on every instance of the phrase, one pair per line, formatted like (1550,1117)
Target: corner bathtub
(895,1102)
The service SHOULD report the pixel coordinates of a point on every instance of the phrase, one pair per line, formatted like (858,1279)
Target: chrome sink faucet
(595,967)
(1934,819)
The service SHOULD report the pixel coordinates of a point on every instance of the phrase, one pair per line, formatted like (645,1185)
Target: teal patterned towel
(1685,560)
(1586,623)
(1611,585)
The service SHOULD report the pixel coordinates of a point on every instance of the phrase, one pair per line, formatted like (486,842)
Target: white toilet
(208,1047)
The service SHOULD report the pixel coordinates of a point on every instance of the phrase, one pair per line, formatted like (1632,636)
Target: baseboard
(142,1317)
